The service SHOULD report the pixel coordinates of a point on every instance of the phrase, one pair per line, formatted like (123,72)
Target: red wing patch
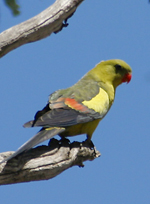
(72,103)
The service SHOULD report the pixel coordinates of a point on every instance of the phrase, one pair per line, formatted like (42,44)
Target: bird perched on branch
(79,109)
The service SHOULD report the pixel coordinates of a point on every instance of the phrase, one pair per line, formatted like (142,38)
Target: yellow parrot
(79,109)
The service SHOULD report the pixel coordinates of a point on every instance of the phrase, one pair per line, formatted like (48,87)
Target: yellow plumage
(99,103)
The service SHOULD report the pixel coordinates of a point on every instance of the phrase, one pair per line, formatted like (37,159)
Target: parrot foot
(53,142)
(64,140)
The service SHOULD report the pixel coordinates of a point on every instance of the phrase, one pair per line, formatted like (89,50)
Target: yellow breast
(100,103)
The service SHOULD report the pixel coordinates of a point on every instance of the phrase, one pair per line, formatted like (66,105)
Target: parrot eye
(118,67)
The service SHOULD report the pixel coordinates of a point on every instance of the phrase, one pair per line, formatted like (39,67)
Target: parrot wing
(67,111)
(63,117)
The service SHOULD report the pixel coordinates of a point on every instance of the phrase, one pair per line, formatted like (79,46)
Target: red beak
(127,78)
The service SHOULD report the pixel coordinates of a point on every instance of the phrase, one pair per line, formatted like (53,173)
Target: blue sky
(99,30)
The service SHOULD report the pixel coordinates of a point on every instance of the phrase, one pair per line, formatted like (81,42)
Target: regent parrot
(79,109)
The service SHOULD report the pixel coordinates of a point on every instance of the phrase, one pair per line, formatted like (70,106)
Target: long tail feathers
(41,136)
(28,124)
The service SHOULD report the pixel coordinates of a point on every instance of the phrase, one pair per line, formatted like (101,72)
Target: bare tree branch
(53,19)
(45,162)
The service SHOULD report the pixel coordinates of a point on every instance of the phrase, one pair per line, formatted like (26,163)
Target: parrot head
(114,72)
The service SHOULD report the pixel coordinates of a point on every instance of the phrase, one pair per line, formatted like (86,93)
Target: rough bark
(45,162)
(53,19)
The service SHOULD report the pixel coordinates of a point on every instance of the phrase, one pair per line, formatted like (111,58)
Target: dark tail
(29,124)
(42,135)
